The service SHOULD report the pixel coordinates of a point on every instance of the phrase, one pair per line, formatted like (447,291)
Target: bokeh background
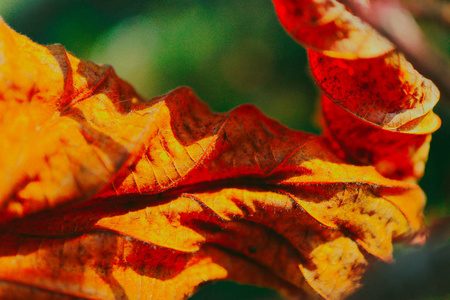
(230,52)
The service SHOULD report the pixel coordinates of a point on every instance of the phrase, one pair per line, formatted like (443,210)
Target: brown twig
(394,22)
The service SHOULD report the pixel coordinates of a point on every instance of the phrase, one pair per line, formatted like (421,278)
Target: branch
(394,22)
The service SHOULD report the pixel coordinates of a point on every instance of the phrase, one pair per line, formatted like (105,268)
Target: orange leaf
(177,195)
(69,126)
(300,201)
(276,228)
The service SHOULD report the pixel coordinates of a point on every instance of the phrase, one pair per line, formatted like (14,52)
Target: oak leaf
(105,195)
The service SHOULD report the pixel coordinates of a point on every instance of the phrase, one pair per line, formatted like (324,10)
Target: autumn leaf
(288,213)
(377,108)
(64,125)
(284,205)
(399,155)
(105,195)
(384,119)
(326,26)
(394,97)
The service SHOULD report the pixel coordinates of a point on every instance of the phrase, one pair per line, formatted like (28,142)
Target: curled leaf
(287,205)
(385,91)
(175,195)
(399,155)
(326,26)
(66,126)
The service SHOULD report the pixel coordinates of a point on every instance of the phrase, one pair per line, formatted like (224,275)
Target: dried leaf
(326,26)
(293,208)
(398,155)
(175,195)
(66,126)
(385,91)
(278,230)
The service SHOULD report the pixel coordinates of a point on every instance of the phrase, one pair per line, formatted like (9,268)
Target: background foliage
(230,52)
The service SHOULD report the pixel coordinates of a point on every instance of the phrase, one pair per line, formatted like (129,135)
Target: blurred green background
(230,52)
